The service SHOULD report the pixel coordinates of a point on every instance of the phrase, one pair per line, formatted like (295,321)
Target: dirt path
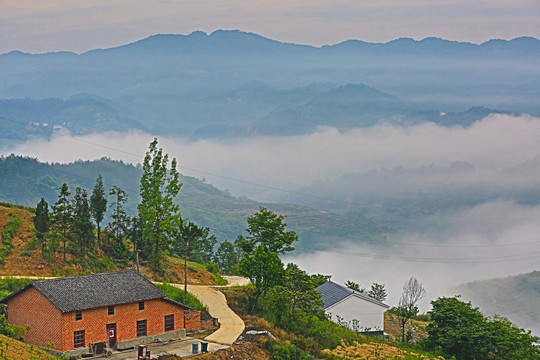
(231,325)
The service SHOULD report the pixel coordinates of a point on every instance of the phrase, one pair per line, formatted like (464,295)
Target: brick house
(117,309)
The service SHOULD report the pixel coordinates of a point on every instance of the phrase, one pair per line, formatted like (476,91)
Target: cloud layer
(495,143)
(494,239)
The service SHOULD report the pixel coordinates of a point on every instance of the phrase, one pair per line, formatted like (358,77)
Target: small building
(353,309)
(114,310)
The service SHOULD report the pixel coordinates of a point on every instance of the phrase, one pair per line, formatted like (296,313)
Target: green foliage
(457,329)
(13,331)
(218,279)
(159,214)
(9,285)
(264,269)
(212,268)
(98,204)
(226,257)
(177,294)
(281,351)
(297,298)
(319,279)
(354,286)
(200,243)
(378,292)
(42,224)
(119,225)
(62,215)
(267,229)
(82,230)
(9,232)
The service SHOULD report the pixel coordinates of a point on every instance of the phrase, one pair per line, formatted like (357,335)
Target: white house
(351,308)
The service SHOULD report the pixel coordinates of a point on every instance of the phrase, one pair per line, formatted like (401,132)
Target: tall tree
(354,286)
(120,220)
(296,298)
(41,224)
(413,292)
(62,216)
(159,214)
(461,331)
(82,229)
(98,204)
(226,257)
(267,229)
(377,292)
(266,240)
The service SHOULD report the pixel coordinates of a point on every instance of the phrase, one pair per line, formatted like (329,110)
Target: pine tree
(120,221)
(82,229)
(42,223)
(98,204)
(62,215)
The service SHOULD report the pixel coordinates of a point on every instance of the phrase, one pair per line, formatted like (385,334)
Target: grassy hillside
(25,181)
(14,349)
(516,297)
(24,257)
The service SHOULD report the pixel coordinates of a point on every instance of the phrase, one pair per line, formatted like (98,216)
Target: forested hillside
(516,297)
(24,181)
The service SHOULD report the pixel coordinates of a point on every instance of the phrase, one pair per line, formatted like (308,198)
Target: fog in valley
(263,167)
(492,236)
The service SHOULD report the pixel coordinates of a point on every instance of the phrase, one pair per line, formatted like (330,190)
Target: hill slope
(24,258)
(516,297)
(24,181)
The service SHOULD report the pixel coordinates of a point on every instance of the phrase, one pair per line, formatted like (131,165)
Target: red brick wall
(48,324)
(94,321)
(31,308)
(193,320)
(209,323)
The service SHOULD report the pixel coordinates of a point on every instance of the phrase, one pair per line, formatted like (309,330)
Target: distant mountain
(80,114)
(24,181)
(401,198)
(232,83)
(516,297)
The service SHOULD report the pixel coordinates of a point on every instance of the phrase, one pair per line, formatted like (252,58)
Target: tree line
(75,223)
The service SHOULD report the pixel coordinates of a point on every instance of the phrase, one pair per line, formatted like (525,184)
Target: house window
(78,315)
(110,310)
(78,339)
(141,305)
(141,328)
(169,323)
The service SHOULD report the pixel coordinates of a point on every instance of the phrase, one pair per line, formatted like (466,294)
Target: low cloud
(495,143)
(496,239)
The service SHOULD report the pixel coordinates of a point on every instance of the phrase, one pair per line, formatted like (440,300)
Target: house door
(111,335)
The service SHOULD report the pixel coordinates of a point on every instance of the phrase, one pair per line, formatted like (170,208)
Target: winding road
(231,325)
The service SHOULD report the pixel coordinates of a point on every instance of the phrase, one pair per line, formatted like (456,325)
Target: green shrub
(177,294)
(27,253)
(212,268)
(282,351)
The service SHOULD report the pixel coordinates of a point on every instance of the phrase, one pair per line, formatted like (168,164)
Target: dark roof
(332,293)
(92,291)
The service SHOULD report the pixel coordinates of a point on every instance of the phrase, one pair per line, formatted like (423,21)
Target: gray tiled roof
(332,293)
(92,291)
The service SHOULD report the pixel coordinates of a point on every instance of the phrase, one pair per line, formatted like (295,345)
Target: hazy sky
(53,25)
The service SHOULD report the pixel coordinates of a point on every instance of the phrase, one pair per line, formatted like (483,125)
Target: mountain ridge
(166,40)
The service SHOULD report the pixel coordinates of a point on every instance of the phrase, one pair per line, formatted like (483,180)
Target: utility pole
(137,252)
(185,271)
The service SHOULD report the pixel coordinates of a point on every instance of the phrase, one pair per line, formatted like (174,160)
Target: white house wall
(369,315)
